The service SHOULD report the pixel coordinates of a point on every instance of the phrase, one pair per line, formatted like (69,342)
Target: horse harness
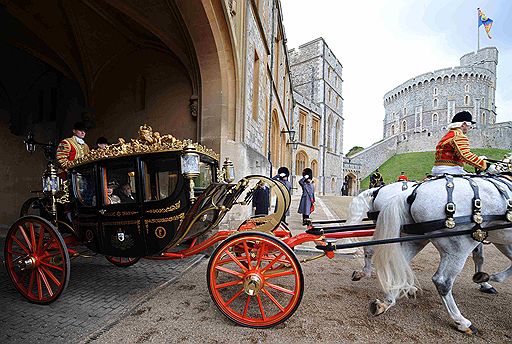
(373,215)
(450,221)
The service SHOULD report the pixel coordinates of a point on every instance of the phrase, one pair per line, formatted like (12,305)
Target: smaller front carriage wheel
(123,262)
(37,259)
(255,279)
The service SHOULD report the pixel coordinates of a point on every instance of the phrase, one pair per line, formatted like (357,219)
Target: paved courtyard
(97,295)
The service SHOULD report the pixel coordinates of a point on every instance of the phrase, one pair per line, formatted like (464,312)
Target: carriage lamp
(30,143)
(228,170)
(51,181)
(190,167)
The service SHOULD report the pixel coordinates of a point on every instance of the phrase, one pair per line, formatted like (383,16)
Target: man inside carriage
(453,151)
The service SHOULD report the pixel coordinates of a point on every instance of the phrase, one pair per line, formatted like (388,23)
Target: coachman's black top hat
(80,126)
(463,116)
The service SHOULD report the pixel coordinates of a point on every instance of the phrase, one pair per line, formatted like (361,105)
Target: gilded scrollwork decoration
(149,141)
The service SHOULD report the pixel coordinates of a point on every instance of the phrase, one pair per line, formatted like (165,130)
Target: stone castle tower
(429,101)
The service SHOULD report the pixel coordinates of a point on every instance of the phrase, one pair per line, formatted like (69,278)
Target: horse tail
(359,206)
(393,270)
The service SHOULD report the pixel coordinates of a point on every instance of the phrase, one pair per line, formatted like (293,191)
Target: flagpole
(478,29)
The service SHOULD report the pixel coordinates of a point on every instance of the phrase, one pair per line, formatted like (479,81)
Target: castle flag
(486,22)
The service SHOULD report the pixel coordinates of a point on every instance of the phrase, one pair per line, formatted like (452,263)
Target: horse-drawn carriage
(178,197)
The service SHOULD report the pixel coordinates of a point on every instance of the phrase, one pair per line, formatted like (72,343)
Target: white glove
(483,157)
(306,176)
(492,169)
(282,175)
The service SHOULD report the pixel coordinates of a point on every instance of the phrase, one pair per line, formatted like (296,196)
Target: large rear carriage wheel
(123,262)
(255,280)
(37,259)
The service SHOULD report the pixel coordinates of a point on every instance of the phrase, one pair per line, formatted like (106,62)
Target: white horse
(373,201)
(392,261)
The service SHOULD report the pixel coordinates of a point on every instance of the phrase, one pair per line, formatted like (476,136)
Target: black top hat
(80,126)
(307,171)
(102,140)
(463,116)
(284,170)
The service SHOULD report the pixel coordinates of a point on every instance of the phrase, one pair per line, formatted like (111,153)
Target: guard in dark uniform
(261,199)
(283,174)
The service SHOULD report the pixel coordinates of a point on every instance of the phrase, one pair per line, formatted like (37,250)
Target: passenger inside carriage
(125,193)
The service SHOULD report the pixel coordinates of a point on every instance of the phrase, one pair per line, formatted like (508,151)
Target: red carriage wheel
(255,279)
(37,259)
(123,262)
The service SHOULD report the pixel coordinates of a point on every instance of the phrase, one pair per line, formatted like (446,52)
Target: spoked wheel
(123,262)
(37,259)
(255,280)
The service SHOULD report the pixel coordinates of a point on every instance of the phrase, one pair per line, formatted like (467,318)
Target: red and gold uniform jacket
(69,149)
(453,150)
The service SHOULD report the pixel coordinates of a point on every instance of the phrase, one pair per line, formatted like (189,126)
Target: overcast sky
(382,44)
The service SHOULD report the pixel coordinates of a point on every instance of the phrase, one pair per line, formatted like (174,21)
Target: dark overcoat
(288,186)
(261,200)
(308,196)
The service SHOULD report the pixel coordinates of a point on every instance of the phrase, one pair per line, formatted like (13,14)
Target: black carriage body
(158,217)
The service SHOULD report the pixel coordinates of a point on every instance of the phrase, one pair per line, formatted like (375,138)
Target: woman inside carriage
(452,152)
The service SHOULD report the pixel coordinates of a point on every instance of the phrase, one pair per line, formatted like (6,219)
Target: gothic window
(315,132)
(466,88)
(405,112)
(466,100)
(301,161)
(404,125)
(336,135)
(435,103)
(483,118)
(256,87)
(329,131)
(329,93)
(435,120)
(336,81)
(435,91)
(314,168)
(392,130)
(302,126)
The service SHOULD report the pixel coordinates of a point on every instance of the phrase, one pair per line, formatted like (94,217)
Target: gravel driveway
(334,309)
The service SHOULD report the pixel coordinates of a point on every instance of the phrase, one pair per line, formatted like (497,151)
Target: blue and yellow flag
(486,22)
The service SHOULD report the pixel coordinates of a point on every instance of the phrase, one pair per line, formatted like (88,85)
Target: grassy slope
(416,165)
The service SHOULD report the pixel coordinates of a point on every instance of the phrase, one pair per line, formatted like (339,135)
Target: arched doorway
(117,65)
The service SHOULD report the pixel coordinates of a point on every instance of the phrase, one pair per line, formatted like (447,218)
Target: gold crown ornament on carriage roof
(149,141)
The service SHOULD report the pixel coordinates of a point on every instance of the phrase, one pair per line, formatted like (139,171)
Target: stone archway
(128,63)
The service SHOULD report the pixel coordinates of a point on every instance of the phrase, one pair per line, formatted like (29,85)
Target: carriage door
(119,209)
(86,218)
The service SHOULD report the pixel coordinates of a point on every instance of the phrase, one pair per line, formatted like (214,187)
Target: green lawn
(415,165)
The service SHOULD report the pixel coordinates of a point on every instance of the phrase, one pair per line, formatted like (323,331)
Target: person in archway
(283,173)
(307,199)
(376,179)
(73,147)
(452,151)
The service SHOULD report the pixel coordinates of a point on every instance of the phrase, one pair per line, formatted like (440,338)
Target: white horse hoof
(490,290)
(357,275)
(471,330)
(377,307)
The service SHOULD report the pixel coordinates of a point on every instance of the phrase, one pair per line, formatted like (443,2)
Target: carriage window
(119,184)
(161,178)
(205,177)
(85,186)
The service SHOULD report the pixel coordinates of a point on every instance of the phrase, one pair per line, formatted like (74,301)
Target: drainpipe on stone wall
(269,144)
(325,120)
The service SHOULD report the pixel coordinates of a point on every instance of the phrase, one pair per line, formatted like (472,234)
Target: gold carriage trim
(149,141)
(165,219)
(169,209)
(122,223)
